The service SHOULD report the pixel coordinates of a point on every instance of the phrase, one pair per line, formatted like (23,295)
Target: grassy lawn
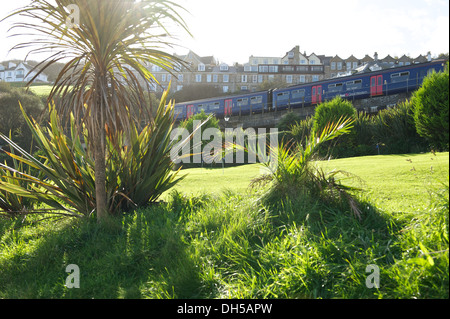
(203,243)
(395,183)
(41,90)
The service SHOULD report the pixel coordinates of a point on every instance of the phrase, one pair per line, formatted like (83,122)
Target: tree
(431,109)
(104,45)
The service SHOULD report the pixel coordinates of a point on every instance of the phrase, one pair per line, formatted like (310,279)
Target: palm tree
(105,52)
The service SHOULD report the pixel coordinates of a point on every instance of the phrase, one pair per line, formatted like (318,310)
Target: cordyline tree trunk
(105,53)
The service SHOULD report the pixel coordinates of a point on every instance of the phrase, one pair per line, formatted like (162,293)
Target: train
(352,87)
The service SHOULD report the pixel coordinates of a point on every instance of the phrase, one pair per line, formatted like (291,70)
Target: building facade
(292,68)
(20,73)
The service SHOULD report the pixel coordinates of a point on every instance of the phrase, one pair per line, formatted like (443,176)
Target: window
(225,89)
(209,78)
(333,65)
(315,78)
(256,100)
(202,107)
(302,79)
(226,78)
(247,68)
(303,61)
(201,67)
(273,68)
(244,78)
(244,88)
(263,68)
(283,96)
(355,65)
(298,94)
(260,79)
(163,77)
(224,67)
(198,78)
(349,66)
(276,61)
(399,77)
(336,87)
(291,55)
(214,106)
(288,68)
(242,102)
(312,62)
(179,87)
(255,78)
(354,85)
(19,74)
(289,78)
(339,65)
(180,78)
(215,78)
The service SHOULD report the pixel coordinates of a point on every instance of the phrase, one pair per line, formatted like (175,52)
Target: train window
(214,106)
(354,85)
(283,96)
(256,100)
(298,94)
(202,107)
(335,87)
(242,102)
(399,77)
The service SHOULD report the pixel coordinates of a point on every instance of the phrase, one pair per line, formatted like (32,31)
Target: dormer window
(224,67)
(201,67)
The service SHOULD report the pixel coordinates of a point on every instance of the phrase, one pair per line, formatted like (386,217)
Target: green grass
(230,245)
(41,90)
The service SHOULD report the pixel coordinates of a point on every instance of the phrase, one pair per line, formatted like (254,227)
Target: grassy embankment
(215,244)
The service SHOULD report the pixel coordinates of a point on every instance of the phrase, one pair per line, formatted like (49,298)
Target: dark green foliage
(331,112)
(138,167)
(431,110)
(393,130)
(11,119)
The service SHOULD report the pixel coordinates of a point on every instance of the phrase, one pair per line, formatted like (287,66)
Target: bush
(394,130)
(431,109)
(331,112)
(11,119)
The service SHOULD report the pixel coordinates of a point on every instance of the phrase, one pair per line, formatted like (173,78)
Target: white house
(20,73)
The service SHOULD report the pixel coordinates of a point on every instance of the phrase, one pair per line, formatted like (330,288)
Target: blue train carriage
(251,103)
(242,104)
(358,86)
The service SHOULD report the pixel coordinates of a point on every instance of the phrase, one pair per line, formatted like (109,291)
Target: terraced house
(294,67)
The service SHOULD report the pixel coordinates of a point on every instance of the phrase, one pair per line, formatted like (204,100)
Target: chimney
(375,56)
(429,56)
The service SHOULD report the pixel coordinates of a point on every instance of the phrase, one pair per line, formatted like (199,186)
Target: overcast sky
(232,30)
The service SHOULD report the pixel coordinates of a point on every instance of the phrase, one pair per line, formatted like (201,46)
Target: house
(20,73)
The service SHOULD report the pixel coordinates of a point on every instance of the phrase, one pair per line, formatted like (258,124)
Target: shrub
(394,129)
(11,119)
(331,112)
(431,109)
(295,174)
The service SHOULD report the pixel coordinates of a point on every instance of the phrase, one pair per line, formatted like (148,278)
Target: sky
(233,30)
